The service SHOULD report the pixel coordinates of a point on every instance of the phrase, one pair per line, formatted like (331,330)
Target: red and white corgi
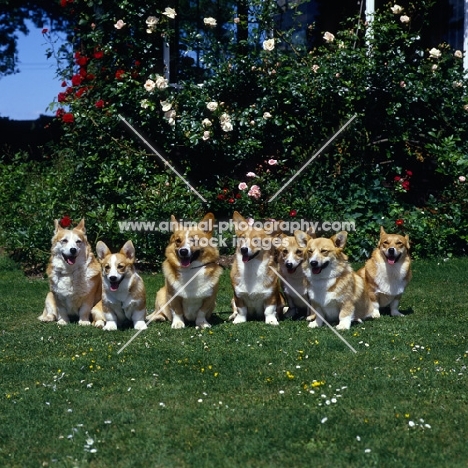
(335,290)
(74,279)
(255,284)
(123,290)
(292,261)
(191,271)
(388,272)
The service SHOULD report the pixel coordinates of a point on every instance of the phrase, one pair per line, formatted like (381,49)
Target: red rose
(64,84)
(220,197)
(81,61)
(45,31)
(409,173)
(98,54)
(399,222)
(68,117)
(59,112)
(238,195)
(99,104)
(65,221)
(83,73)
(76,80)
(63,3)
(397,178)
(90,77)
(80,92)
(61,97)
(406,185)
(119,74)
(231,200)
(293,213)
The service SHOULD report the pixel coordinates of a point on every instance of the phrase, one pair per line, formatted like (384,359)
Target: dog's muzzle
(290,267)
(115,283)
(392,256)
(186,258)
(70,259)
(317,268)
(245,254)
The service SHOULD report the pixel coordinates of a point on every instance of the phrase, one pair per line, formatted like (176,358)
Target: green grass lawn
(248,395)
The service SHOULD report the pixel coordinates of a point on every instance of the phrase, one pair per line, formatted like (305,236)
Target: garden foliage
(242,121)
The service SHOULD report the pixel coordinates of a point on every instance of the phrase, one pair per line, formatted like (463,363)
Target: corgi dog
(255,284)
(74,279)
(292,260)
(388,272)
(123,290)
(191,271)
(335,290)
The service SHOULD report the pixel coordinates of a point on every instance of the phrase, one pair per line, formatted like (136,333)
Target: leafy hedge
(242,125)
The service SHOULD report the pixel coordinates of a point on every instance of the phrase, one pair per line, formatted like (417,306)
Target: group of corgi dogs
(296,276)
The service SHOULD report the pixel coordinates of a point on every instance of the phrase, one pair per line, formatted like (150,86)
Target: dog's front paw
(375,314)
(396,313)
(313,324)
(99,323)
(84,323)
(343,326)
(140,325)
(178,325)
(110,326)
(271,320)
(62,322)
(46,318)
(239,319)
(202,324)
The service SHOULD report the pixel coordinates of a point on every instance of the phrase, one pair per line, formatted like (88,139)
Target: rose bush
(246,116)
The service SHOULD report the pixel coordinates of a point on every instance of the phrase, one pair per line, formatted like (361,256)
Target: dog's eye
(78,241)
(399,243)
(106,267)
(64,241)
(299,252)
(385,243)
(120,266)
(178,241)
(285,252)
(324,251)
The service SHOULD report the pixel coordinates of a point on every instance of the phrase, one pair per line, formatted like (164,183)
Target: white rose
(206,135)
(458,54)
(396,9)
(269,45)
(161,82)
(119,25)
(210,22)
(328,37)
(149,85)
(212,106)
(225,118)
(206,123)
(404,19)
(166,106)
(170,12)
(435,53)
(227,126)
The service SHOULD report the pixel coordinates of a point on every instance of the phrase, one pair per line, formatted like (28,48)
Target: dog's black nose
(289,265)
(314,263)
(391,251)
(244,250)
(184,252)
(112,279)
(73,251)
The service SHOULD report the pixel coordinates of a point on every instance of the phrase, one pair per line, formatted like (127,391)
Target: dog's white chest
(390,279)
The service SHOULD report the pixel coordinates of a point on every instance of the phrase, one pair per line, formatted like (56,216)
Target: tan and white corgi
(191,271)
(256,286)
(123,289)
(335,290)
(292,260)
(74,279)
(388,272)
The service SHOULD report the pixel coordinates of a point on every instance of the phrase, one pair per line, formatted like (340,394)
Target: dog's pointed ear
(174,226)
(207,223)
(81,226)
(407,242)
(102,250)
(382,232)
(340,239)
(240,224)
(301,238)
(57,226)
(128,250)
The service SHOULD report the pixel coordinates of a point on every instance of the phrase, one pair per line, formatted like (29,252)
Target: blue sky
(26,95)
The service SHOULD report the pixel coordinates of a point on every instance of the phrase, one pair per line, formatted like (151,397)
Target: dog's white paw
(99,323)
(313,324)
(375,314)
(343,326)
(271,320)
(239,319)
(62,322)
(84,323)
(46,318)
(396,313)
(202,324)
(178,324)
(110,326)
(140,325)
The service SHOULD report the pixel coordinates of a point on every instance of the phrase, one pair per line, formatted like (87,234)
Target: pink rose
(462,178)
(251,174)
(254,192)
(272,162)
(242,186)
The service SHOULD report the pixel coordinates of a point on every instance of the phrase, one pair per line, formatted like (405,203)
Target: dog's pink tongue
(185,262)
(71,260)
(245,258)
(114,286)
(316,271)
(391,261)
